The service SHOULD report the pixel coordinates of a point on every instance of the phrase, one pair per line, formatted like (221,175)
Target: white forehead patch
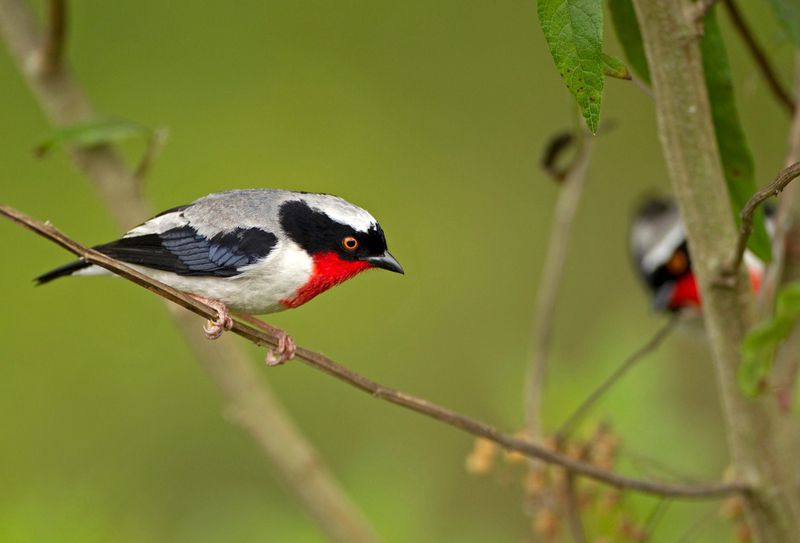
(663,249)
(341,211)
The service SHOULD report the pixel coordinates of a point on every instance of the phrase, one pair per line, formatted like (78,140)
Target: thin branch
(655,516)
(649,467)
(155,144)
(697,527)
(783,96)
(783,217)
(569,197)
(572,509)
(641,85)
(785,266)
(53,48)
(786,176)
(571,180)
(324,364)
(575,418)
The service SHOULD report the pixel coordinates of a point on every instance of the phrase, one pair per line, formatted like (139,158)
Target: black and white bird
(662,258)
(251,251)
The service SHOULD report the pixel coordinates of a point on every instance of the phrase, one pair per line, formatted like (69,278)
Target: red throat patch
(686,293)
(329,270)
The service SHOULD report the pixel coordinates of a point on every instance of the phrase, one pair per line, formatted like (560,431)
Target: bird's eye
(677,263)
(350,243)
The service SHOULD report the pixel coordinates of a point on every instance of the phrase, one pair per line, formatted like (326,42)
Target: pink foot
(213,329)
(286,346)
(284,351)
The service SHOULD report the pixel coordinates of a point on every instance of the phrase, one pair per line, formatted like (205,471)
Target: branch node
(781,181)
(697,15)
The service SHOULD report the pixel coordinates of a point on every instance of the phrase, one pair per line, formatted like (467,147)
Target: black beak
(663,296)
(385,261)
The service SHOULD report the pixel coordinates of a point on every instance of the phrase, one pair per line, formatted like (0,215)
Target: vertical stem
(690,150)
(549,286)
(572,509)
(53,48)
(546,303)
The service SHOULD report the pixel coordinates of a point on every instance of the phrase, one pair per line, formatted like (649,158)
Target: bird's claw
(223,322)
(213,329)
(286,348)
(284,351)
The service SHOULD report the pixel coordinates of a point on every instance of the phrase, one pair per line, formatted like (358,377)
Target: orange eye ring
(350,243)
(678,263)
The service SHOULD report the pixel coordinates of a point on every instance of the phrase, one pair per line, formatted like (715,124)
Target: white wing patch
(92,270)
(159,225)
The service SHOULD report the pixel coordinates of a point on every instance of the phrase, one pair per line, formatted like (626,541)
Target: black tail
(62,271)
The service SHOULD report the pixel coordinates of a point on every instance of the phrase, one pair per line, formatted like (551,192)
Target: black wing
(185,252)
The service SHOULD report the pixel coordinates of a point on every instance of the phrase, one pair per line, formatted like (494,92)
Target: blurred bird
(250,251)
(662,259)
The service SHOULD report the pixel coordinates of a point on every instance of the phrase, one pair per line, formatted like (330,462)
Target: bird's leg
(286,346)
(213,329)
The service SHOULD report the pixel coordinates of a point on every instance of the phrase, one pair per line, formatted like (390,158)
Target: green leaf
(93,133)
(574,33)
(758,347)
(613,67)
(626,27)
(737,160)
(788,14)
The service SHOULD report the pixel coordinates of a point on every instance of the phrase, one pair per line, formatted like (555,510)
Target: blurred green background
(432,115)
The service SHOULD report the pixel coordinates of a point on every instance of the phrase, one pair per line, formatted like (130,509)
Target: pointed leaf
(574,33)
(758,347)
(737,160)
(93,133)
(614,67)
(626,27)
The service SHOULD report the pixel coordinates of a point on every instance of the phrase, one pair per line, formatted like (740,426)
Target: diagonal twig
(661,334)
(762,61)
(784,177)
(783,220)
(324,364)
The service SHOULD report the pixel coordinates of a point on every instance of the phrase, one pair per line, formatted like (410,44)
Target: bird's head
(342,239)
(661,255)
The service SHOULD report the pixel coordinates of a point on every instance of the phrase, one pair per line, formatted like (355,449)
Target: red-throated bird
(251,251)
(662,259)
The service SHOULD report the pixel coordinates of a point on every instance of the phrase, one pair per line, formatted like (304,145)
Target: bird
(662,259)
(250,252)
